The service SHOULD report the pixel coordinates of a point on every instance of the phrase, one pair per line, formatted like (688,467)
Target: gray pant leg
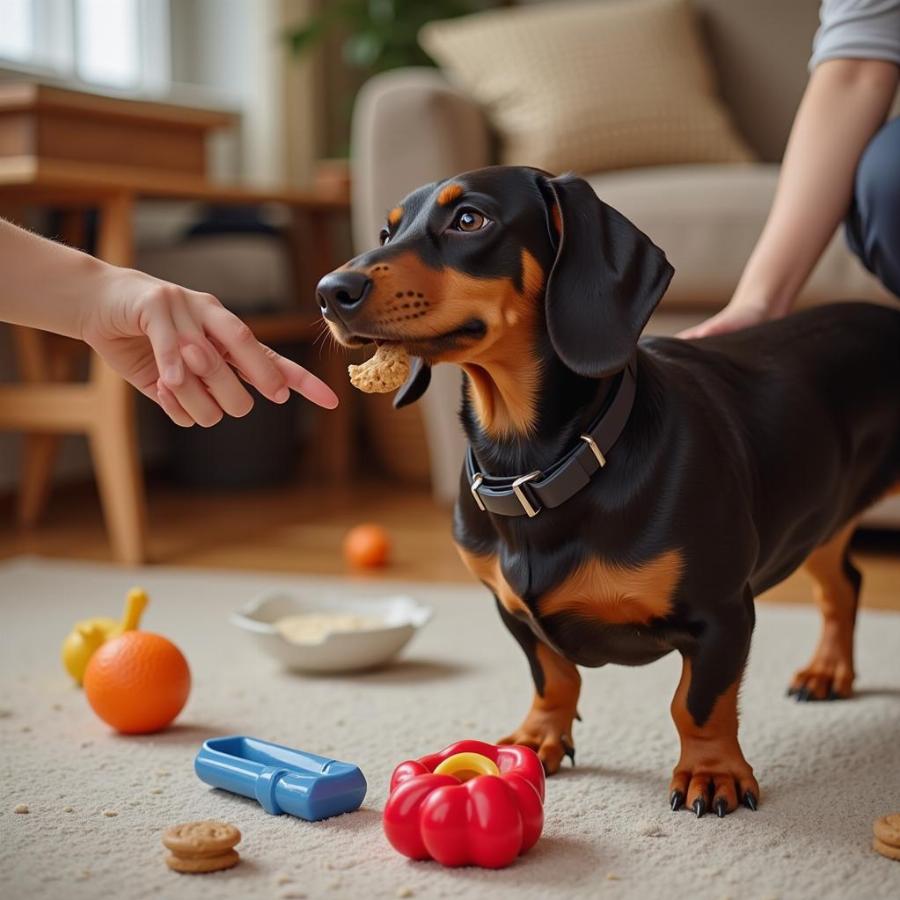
(873,224)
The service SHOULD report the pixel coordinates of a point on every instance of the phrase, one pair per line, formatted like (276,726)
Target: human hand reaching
(181,348)
(185,351)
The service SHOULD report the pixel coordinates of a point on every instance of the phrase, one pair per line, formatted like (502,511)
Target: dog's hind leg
(836,584)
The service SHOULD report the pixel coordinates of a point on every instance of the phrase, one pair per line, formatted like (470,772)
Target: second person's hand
(734,317)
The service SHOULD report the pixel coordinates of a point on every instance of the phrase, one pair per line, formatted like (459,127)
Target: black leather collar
(527,495)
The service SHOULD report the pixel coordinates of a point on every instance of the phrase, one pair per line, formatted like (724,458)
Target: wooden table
(48,404)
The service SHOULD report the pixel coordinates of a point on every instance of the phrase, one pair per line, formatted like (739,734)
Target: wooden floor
(299,528)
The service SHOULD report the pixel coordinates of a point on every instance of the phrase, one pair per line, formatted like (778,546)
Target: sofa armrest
(409,127)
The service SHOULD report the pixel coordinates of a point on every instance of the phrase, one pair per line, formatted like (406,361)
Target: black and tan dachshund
(625,499)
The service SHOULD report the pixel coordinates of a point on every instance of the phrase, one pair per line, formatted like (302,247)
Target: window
(17,33)
(113,44)
(106,42)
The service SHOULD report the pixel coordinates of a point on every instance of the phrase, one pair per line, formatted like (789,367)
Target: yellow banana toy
(88,634)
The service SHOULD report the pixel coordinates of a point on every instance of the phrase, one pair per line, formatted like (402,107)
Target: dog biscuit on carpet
(887,836)
(199,847)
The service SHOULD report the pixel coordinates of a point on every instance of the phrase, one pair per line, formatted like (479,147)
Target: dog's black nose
(342,291)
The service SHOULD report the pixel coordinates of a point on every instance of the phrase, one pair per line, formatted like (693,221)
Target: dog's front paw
(718,783)
(549,734)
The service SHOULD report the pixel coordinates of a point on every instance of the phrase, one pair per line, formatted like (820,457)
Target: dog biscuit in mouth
(384,372)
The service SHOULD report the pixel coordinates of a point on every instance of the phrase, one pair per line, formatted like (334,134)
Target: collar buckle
(530,511)
(477,479)
(598,453)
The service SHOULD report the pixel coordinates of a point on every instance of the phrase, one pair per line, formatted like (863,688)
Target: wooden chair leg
(39,452)
(41,359)
(114,448)
(113,434)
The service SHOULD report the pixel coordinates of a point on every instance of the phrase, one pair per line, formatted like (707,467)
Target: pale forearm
(45,285)
(845,103)
(180,347)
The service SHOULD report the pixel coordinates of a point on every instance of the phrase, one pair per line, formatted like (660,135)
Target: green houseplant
(377,35)
(372,36)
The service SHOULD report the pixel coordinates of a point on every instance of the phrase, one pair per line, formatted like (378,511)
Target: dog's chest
(596,594)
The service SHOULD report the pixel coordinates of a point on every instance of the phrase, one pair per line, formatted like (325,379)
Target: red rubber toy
(470,804)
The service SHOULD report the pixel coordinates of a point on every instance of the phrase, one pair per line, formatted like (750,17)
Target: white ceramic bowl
(338,651)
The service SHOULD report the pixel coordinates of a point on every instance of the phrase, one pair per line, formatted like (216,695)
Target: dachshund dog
(624,499)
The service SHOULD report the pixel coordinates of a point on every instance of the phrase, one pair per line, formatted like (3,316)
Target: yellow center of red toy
(466,766)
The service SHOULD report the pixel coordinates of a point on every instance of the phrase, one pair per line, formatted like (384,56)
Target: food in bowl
(311,628)
(397,619)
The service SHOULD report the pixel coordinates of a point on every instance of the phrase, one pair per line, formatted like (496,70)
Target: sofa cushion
(708,218)
(591,86)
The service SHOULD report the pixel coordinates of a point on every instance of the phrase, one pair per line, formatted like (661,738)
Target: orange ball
(137,682)
(367,546)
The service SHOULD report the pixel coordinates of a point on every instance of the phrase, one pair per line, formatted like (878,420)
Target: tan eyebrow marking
(449,193)
(395,215)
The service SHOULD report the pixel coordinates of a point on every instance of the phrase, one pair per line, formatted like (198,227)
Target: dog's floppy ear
(415,385)
(607,278)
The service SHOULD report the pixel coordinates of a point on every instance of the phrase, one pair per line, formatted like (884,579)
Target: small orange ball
(137,682)
(367,546)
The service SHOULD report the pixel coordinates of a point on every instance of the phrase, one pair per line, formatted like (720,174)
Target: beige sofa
(411,126)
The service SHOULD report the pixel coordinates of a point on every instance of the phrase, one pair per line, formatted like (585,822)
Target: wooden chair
(47,404)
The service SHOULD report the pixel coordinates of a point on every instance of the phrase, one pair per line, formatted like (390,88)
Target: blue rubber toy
(282,780)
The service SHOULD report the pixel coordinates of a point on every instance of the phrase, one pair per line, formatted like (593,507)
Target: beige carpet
(826,770)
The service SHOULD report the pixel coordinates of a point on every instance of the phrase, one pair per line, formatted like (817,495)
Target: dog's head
(481,267)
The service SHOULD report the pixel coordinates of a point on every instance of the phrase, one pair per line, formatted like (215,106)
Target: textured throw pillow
(590,86)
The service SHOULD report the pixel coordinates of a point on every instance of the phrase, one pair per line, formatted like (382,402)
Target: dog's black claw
(676,801)
(750,800)
(569,750)
(803,695)
(721,807)
(699,807)
(832,695)
(792,692)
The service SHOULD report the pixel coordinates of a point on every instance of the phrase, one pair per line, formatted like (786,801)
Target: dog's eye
(384,236)
(469,220)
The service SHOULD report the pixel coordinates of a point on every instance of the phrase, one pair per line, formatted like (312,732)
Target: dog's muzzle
(341,294)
